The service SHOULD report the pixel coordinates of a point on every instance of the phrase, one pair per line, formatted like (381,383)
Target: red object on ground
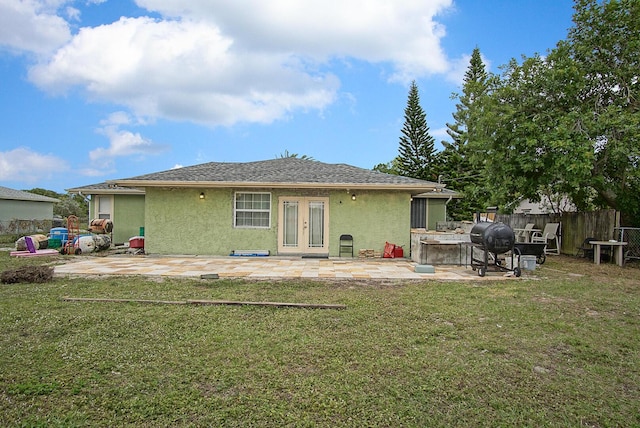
(398,252)
(136,242)
(389,250)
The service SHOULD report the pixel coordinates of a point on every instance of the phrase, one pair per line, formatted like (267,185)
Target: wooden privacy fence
(574,227)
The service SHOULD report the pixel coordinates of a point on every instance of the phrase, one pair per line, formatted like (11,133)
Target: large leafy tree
(605,46)
(455,165)
(416,156)
(569,123)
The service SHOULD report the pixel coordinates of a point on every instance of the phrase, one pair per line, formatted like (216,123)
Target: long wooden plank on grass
(206,302)
(109,300)
(275,304)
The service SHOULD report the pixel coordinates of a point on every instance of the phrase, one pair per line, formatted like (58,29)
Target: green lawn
(560,347)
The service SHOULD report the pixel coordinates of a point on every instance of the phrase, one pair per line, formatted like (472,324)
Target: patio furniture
(618,246)
(346,244)
(524,235)
(586,249)
(549,234)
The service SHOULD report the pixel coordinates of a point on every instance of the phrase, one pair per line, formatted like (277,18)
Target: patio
(262,268)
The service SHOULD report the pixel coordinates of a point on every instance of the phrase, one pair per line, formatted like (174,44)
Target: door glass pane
(316,224)
(290,224)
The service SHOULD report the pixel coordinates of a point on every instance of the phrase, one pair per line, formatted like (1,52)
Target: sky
(95,90)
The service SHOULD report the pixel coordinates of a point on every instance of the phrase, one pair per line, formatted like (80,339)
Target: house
(286,206)
(123,206)
(562,204)
(24,212)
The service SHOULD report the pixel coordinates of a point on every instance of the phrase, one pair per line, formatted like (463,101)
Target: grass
(557,348)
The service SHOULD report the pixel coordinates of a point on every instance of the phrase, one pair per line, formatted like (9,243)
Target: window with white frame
(252,210)
(103,207)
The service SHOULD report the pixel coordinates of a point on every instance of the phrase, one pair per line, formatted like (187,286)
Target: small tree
(416,153)
(387,168)
(286,154)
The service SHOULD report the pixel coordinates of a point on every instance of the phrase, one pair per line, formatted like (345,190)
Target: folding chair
(346,244)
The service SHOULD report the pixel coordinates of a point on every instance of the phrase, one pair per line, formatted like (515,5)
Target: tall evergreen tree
(455,163)
(416,153)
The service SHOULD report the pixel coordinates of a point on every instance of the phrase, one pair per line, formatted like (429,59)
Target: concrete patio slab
(263,268)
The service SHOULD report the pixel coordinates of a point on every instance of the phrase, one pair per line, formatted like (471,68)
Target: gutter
(87,199)
(273,185)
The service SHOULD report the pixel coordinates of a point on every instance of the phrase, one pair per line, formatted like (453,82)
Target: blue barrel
(61,233)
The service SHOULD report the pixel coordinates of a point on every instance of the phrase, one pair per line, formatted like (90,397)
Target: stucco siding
(179,222)
(128,216)
(375,217)
(436,211)
(25,210)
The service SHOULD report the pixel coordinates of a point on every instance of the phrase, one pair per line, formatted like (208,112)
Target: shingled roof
(104,189)
(277,173)
(19,195)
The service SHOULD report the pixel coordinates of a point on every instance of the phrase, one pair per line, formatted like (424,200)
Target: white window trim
(235,210)
(97,211)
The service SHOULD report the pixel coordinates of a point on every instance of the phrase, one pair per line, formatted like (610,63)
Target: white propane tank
(85,244)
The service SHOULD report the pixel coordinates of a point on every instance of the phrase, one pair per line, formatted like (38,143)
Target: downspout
(86,198)
(445,207)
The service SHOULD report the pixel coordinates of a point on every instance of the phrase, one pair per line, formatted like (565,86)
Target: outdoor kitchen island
(440,248)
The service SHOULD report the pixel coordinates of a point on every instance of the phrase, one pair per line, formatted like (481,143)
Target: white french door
(303,225)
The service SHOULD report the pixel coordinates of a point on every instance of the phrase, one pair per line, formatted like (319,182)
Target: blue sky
(94,90)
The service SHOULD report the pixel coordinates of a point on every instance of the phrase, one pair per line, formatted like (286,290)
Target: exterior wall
(25,210)
(128,216)
(179,222)
(375,217)
(436,211)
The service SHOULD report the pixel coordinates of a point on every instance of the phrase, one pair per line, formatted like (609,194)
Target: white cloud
(73,13)
(94,172)
(122,142)
(401,32)
(211,62)
(33,26)
(182,71)
(23,164)
(440,134)
(117,118)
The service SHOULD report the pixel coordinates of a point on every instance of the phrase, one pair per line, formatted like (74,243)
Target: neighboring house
(544,207)
(287,206)
(123,206)
(16,205)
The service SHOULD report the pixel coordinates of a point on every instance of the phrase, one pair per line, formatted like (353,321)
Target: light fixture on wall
(201,195)
(353,197)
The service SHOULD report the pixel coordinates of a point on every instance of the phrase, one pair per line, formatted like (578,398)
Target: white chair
(523,235)
(549,234)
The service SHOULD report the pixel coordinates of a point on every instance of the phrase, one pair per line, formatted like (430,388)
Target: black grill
(492,239)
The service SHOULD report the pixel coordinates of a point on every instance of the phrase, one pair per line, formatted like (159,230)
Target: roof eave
(277,185)
(111,191)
